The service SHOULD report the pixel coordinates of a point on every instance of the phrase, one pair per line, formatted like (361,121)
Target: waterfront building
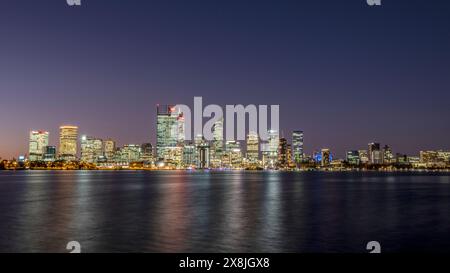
(130,153)
(363,156)
(265,151)
(401,159)
(297,146)
(273,142)
(375,154)
(434,158)
(37,142)
(353,158)
(232,157)
(443,156)
(203,151)
(109,149)
(189,155)
(283,151)
(388,156)
(326,158)
(50,154)
(252,147)
(217,144)
(91,149)
(68,139)
(167,136)
(147,152)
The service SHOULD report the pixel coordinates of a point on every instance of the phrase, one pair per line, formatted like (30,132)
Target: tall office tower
(37,143)
(68,139)
(282,154)
(325,157)
(252,147)
(166,132)
(91,149)
(232,157)
(109,149)
(375,153)
(363,156)
(203,152)
(147,152)
(273,143)
(265,151)
(189,155)
(217,144)
(50,154)
(297,146)
(353,157)
(181,126)
(388,156)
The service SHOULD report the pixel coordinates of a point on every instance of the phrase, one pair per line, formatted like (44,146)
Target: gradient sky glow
(342,71)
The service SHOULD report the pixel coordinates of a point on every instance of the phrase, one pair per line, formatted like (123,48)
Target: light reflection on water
(138,211)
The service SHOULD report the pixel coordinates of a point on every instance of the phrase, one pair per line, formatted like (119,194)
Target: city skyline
(295,138)
(347,79)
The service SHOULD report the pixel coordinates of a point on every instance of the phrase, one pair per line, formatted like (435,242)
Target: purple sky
(345,73)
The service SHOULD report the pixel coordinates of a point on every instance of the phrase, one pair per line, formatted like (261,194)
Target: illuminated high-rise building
(147,152)
(203,152)
(166,132)
(252,147)
(283,159)
(181,127)
(189,155)
(109,149)
(388,156)
(130,153)
(217,144)
(50,154)
(232,157)
(297,146)
(375,153)
(265,151)
(326,157)
(91,149)
(68,139)
(363,156)
(37,143)
(273,142)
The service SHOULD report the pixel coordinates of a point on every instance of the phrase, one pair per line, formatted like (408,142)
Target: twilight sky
(342,71)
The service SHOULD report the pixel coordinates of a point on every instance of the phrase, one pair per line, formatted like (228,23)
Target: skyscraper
(325,157)
(203,155)
(375,154)
(232,158)
(283,158)
(363,156)
(273,143)
(166,132)
(388,156)
(252,147)
(109,148)
(37,143)
(297,146)
(217,144)
(68,139)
